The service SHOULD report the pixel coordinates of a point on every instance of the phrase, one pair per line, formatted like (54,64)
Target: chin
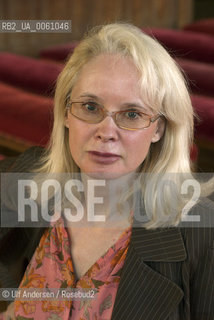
(106,174)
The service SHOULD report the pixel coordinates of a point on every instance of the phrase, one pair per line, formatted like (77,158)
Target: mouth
(103,157)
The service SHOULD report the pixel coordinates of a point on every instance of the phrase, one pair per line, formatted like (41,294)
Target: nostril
(107,130)
(105,138)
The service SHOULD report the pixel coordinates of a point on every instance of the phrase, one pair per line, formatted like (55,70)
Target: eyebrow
(89,95)
(124,106)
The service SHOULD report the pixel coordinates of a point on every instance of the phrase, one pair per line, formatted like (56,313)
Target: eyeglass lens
(94,113)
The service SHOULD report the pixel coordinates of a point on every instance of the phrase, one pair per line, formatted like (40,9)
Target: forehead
(109,75)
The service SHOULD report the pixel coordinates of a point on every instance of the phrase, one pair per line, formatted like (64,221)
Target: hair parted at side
(163,90)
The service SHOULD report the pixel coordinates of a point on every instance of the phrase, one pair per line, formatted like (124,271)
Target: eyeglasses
(129,119)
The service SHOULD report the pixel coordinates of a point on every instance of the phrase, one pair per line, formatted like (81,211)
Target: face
(105,149)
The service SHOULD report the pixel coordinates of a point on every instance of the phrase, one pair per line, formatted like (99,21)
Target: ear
(159,130)
(66,122)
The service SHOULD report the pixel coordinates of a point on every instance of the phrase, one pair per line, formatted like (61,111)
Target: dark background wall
(203,9)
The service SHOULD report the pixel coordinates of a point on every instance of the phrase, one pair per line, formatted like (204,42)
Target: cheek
(139,145)
(78,137)
(74,139)
(141,140)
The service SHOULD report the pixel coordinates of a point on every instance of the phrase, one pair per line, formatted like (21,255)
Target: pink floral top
(51,267)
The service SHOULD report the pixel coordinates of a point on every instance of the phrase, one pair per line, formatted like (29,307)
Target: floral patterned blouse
(51,267)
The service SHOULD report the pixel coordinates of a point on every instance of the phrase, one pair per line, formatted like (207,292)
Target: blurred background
(31,62)
(87,13)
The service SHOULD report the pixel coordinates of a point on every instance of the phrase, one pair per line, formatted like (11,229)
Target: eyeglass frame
(113,115)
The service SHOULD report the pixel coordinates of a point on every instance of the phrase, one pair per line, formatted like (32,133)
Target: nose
(107,130)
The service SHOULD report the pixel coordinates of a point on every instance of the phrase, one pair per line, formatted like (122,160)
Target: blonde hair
(164,90)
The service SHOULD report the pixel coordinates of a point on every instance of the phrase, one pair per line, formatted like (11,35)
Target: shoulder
(8,200)
(14,254)
(198,237)
(23,162)
(199,242)
(199,229)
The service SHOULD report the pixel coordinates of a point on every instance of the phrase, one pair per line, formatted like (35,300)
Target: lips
(103,157)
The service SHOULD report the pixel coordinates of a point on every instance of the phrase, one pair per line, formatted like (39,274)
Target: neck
(108,202)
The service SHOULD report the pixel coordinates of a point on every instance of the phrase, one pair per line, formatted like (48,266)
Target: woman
(121,109)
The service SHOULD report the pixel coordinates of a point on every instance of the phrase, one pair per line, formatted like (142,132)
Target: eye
(132,114)
(90,106)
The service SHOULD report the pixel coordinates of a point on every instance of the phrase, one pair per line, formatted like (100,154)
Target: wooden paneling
(85,14)
(185,12)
